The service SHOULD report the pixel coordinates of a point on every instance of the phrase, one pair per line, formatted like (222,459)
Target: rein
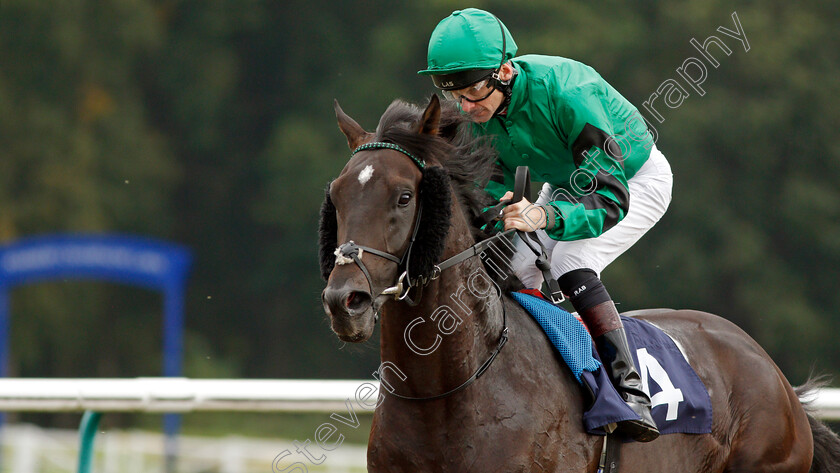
(503,338)
(350,252)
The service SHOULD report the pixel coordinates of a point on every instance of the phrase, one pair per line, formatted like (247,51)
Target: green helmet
(467,46)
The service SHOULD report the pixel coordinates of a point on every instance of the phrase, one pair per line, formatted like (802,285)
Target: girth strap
(610,455)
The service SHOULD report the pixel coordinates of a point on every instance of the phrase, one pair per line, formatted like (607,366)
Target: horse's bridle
(350,252)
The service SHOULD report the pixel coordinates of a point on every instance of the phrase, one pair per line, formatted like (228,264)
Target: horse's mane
(469,159)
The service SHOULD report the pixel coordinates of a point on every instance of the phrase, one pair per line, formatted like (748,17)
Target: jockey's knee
(522,263)
(584,288)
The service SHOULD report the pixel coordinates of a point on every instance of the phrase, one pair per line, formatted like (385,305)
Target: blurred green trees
(210,123)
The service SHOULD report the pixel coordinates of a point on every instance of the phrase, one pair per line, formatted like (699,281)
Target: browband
(383,145)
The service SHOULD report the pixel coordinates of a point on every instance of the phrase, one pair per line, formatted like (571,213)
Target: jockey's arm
(596,197)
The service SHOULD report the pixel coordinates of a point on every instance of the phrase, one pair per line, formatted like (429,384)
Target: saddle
(681,404)
(679,400)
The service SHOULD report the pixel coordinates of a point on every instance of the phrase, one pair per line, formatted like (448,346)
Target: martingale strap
(503,338)
(522,189)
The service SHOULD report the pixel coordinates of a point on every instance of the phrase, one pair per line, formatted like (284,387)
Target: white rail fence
(244,395)
(158,395)
(181,394)
(29,449)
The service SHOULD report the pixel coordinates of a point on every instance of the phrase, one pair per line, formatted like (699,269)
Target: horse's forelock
(400,122)
(399,114)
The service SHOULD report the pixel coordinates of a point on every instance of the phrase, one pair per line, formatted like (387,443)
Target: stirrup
(640,430)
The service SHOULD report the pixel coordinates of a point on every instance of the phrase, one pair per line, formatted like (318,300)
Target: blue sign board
(116,258)
(130,260)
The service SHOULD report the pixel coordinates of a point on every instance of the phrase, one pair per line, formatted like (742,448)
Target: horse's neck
(439,343)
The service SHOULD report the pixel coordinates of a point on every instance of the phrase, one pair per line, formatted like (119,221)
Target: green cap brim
(459,80)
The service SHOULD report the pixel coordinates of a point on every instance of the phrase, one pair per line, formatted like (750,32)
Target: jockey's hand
(523,215)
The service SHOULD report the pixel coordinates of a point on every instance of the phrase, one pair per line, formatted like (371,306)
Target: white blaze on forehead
(365,175)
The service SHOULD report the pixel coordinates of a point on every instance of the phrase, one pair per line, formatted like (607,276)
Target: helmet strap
(506,87)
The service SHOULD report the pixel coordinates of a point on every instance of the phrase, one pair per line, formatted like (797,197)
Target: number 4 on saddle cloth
(679,400)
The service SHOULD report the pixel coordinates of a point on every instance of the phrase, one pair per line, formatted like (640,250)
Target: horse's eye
(405,198)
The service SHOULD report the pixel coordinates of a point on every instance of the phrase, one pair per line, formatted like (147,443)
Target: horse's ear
(430,122)
(436,199)
(327,236)
(451,119)
(356,135)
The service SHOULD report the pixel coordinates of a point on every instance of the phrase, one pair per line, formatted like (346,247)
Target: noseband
(350,252)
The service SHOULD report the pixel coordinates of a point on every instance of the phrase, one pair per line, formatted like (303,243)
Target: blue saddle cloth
(680,401)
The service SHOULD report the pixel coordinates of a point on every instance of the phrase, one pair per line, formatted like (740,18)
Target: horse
(451,400)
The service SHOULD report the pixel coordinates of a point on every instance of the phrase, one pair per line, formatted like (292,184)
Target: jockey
(606,184)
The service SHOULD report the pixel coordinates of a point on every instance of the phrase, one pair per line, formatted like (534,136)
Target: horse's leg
(759,424)
(773,434)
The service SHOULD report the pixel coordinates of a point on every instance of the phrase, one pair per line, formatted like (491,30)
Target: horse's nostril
(357,301)
(338,302)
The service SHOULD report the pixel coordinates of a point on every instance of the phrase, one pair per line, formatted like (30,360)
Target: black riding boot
(611,342)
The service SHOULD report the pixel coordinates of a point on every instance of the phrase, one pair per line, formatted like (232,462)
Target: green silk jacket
(575,132)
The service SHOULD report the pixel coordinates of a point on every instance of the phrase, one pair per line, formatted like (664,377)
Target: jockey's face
(482,111)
